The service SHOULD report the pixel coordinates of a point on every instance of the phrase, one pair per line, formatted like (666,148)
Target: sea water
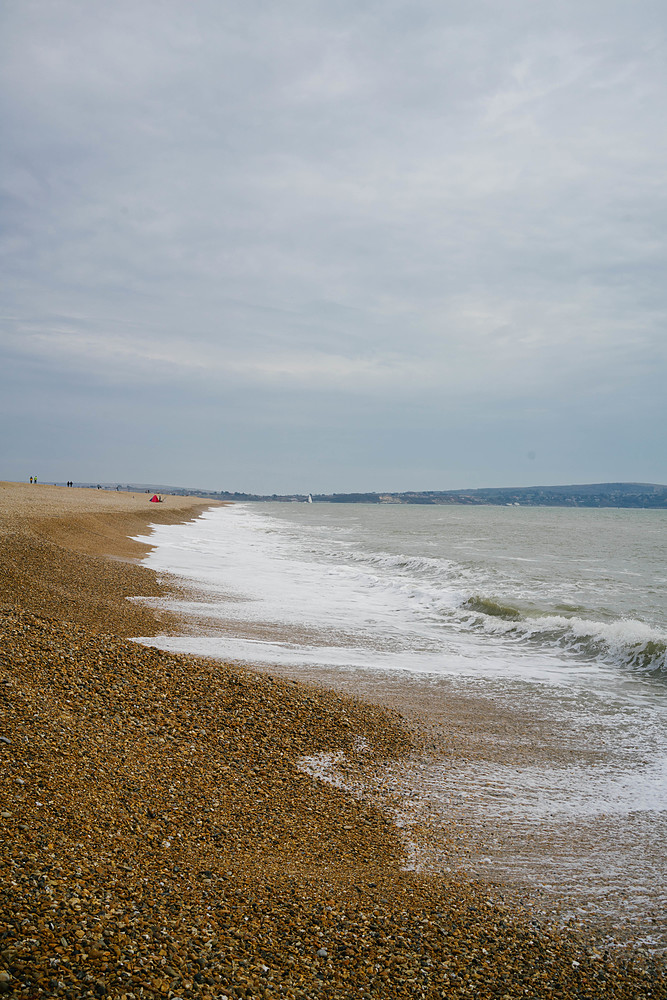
(555,619)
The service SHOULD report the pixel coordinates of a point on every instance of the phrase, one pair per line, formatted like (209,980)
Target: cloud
(408,205)
(116,357)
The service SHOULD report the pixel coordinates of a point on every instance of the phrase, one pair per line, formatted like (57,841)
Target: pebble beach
(161,836)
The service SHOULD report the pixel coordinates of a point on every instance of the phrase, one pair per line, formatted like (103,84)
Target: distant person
(34,479)
(31,480)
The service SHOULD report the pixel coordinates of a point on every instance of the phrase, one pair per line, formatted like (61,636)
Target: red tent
(154,499)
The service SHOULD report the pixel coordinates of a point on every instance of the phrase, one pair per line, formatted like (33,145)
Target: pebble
(275,883)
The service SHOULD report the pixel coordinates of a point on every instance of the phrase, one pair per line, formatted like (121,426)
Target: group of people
(33,481)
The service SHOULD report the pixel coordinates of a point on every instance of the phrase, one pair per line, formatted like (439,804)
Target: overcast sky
(309,246)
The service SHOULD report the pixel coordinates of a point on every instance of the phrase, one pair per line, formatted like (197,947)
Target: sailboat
(309,498)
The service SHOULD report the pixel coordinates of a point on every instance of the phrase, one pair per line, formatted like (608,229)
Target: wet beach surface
(162,836)
(522,792)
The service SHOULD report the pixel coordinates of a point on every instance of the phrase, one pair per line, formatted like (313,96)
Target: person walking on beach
(31,480)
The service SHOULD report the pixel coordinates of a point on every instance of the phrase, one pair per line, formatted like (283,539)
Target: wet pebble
(275,883)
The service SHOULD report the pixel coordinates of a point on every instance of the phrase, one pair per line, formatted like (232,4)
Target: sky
(315,247)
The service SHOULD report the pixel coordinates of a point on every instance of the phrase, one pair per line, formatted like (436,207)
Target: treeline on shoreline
(637,495)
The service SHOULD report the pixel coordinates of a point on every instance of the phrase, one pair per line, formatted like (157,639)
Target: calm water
(556,618)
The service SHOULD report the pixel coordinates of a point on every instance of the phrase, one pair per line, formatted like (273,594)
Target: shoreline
(68,553)
(161,835)
(534,786)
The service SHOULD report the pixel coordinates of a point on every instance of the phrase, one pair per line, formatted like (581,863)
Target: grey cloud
(414,211)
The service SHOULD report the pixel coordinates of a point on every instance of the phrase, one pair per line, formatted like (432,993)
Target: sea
(533,640)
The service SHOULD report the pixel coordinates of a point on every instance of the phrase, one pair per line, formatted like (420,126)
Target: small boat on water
(309,498)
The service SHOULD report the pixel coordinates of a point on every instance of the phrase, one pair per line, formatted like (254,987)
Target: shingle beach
(160,836)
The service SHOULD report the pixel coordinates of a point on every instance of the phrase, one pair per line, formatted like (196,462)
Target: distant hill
(586,495)
(590,495)
(645,495)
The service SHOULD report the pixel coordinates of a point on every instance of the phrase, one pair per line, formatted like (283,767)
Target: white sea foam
(626,643)
(364,601)
(557,615)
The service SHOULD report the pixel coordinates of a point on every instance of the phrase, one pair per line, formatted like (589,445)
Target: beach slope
(160,837)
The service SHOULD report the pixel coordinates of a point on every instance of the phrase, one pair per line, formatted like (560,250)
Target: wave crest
(494,608)
(626,642)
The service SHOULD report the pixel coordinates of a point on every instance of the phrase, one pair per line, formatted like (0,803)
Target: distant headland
(644,495)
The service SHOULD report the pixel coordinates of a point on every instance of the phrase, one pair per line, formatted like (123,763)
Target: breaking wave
(626,642)
(399,583)
(456,591)
(493,608)
(405,563)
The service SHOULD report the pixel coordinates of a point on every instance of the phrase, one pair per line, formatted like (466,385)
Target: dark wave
(485,606)
(624,642)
